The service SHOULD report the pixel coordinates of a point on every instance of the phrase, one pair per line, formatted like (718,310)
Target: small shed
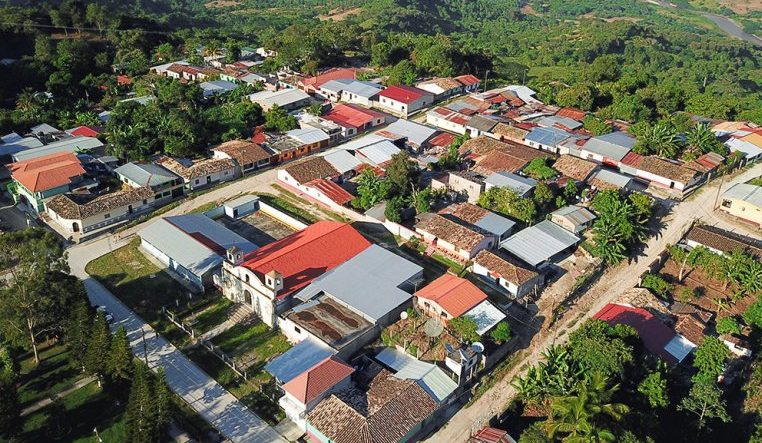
(573,218)
(241,206)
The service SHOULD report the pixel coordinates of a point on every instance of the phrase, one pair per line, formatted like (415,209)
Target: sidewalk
(53,398)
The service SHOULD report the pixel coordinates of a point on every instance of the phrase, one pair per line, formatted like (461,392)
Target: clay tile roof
(691,327)
(506,130)
(336,193)
(660,167)
(311,169)
(305,255)
(243,151)
(467,79)
(497,161)
(445,83)
(73,207)
(331,74)
(504,267)
(572,113)
(470,213)
(724,241)
(574,167)
(450,232)
(47,172)
(444,139)
(315,381)
(389,411)
(454,294)
(197,168)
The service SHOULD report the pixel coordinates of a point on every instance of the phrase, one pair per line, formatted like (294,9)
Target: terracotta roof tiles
(450,232)
(311,169)
(454,294)
(315,381)
(47,172)
(505,268)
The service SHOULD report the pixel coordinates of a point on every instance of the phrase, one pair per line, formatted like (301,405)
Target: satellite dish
(477,347)
(403,315)
(433,328)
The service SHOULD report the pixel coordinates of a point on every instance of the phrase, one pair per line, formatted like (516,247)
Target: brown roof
(385,414)
(574,167)
(497,161)
(451,232)
(691,327)
(663,168)
(506,130)
(243,151)
(482,145)
(445,83)
(469,213)
(73,207)
(724,241)
(197,169)
(311,169)
(504,267)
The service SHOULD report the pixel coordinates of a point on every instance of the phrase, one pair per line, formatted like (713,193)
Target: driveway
(212,402)
(608,287)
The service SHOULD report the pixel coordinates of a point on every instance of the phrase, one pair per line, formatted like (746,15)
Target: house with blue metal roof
(547,139)
(524,186)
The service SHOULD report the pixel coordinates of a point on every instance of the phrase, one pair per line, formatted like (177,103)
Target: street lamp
(95,431)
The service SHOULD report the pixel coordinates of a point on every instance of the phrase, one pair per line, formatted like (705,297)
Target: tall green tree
(401,173)
(163,401)
(654,389)
(278,119)
(141,408)
(705,401)
(10,409)
(710,359)
(98,345)
(659,139)
(32,303)
(119,361)
(78,328)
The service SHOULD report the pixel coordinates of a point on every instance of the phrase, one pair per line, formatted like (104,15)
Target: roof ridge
(282,251)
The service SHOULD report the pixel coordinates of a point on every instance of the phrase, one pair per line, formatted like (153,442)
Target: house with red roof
(403,100)
(41,178)
(470,82)
(306,390)
(448,297)
(266,279)
(657,337)
(354,119)
(311,85)
(85,131)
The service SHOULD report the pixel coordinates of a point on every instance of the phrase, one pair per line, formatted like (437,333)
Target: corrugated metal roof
(361,142)
(554,120)
(193,241)
(379,153)
(72,144)
(416,133)
(430,377)
(539,243)
(486,316)
(242,200)
(343,161)
(283,97)
(576,214)
(751,150)
(496,224)
(613,178)
(746,192)
(520,184)
(615,145)
(146,174)
(547,136)
(368,283)
(298,359)
(679,347)
(308,136)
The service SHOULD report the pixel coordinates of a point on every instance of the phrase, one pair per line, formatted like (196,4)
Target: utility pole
(524,79)
(486,76)
(719,189)
(145,346)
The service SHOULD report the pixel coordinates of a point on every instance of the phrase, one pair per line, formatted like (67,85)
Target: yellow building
(744,201)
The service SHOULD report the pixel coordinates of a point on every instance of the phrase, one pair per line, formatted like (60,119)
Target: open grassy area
(255,344)
(140,285)
(295,200)
(212,315)
(55,373)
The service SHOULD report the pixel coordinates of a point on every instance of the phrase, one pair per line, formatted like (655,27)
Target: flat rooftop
(328,320)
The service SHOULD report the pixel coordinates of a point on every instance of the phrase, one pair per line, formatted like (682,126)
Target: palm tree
(722,305)
(702,139)
(660,139)
(579,418)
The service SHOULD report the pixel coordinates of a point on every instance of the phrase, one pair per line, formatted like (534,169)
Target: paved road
(217,406)
(610,286)
(731,28)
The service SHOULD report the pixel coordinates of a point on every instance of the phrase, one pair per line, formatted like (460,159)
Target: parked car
(109,316)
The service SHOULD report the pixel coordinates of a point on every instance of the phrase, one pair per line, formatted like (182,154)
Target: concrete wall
(178,271)
(445,124)
(217,177)
(462,185)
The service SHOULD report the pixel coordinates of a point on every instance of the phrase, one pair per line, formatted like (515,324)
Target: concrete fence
(281,216)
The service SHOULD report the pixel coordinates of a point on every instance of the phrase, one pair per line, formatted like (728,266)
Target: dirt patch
(338,15)
(217,4)
(529,10)
(741,6)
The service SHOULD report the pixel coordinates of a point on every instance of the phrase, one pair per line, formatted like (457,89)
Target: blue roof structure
(428,376)
(539,243)
(547,136)
(614,145)
(298,359)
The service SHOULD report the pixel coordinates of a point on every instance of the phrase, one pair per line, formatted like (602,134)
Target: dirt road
(612,284)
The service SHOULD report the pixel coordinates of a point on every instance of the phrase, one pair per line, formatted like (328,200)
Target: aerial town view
(381,221)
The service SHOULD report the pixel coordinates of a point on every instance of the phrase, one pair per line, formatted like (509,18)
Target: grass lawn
(140,285)
(258,342)
(55,373)
(212,315)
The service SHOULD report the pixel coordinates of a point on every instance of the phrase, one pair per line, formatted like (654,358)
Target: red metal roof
(710,160)
(315,381)
(331,74)
(652,331)
(467,79)
(86,131)
(572,113)
(305,255)
(47,172)
(491,435)
(336,193)
(351,116)
(403,94)
(123,80)
(454,294)
(444,139)
(632,159)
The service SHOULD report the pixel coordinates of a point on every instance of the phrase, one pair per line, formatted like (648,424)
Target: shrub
(656,284)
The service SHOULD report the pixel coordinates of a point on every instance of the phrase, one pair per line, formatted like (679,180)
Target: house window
(726,203)
(107,216)
(145,201)
(196,181)
(297,330)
